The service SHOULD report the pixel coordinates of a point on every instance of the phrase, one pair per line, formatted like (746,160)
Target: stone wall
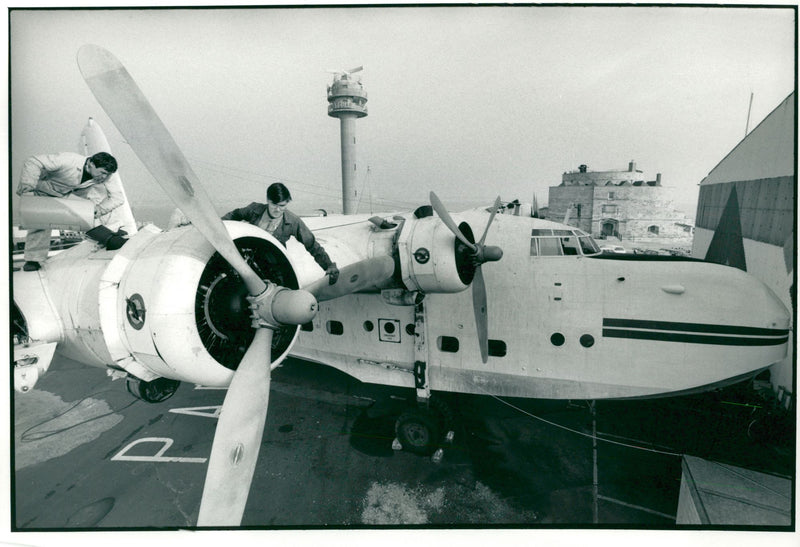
(634,212)
(561,197)
(641,212)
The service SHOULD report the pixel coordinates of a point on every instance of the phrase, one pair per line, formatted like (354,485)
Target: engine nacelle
(432,259)
(165,304)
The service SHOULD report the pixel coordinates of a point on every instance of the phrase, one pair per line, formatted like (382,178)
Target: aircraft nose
(774,312)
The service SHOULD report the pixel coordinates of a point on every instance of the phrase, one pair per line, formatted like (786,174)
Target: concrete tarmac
(88,456)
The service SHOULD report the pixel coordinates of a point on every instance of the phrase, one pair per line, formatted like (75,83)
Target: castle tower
(347,101)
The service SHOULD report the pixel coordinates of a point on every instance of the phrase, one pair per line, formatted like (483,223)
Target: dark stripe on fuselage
(692,327)
(693,338)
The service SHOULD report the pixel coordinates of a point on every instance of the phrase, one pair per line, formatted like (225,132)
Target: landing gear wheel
(155,391)
(418,431)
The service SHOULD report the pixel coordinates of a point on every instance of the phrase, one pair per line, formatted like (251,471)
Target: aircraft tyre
(155,391)
(418,431)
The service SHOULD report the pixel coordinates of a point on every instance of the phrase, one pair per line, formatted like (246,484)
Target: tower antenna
(347,101)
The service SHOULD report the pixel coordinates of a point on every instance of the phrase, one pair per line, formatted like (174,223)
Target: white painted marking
(165,442)
(199,411)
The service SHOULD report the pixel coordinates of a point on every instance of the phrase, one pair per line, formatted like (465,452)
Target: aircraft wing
(37,340)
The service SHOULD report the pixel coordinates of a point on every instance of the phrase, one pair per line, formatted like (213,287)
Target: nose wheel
(424,429)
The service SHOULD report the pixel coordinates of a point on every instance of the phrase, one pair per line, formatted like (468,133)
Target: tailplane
(92,141)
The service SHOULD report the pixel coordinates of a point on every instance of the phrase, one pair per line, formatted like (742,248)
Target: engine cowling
(166,304)
(432,260)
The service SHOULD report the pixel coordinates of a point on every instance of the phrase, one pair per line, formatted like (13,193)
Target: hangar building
(745,213)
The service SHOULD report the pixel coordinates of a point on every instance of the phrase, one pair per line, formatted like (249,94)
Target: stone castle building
(618,204)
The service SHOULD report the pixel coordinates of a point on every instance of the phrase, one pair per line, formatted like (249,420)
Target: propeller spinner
(481,253)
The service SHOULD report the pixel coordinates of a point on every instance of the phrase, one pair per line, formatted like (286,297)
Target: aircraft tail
(92,141)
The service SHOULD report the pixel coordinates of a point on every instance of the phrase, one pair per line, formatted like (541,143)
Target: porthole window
(307,327)
(497,348)
(557,339)
(388,328)
(335,327)
(587,340)
(369,326)
(411,329)
(447,344)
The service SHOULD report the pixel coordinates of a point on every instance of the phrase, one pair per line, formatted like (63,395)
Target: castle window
(653,229)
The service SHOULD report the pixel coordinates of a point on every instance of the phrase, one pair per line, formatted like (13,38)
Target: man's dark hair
(277,193)
(104,160)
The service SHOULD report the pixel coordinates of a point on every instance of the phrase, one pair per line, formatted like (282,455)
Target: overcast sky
(470,102)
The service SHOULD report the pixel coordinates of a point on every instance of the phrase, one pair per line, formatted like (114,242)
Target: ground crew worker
(59,175)
(281,223)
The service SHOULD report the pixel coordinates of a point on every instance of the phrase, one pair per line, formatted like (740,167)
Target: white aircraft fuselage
(579,326)
(560,326)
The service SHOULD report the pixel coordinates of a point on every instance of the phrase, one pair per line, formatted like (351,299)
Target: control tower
(347,101)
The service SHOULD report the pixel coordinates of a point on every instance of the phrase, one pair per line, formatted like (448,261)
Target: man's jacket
(58,175)
(291,225)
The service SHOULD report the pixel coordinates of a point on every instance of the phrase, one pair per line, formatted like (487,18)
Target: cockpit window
(570,246)
(588,245)
(547,242)
(550,246)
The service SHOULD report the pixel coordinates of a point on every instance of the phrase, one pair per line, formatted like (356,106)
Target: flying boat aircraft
(221,303)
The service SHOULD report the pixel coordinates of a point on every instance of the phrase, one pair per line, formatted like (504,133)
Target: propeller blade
(131,112)
(352,278)
(491,218)
(481,313)
(238,438)
(441,210)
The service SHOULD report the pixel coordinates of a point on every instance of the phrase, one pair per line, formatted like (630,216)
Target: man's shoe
(31,266)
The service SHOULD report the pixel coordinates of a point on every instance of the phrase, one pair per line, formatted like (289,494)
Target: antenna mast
(747,126)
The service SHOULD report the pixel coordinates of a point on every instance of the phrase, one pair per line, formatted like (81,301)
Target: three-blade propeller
(481,253)
(238,436)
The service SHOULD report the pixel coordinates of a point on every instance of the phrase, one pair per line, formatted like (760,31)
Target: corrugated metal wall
(766,207)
